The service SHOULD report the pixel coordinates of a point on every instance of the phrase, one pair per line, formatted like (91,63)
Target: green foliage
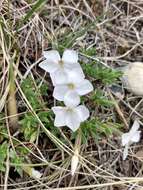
(16,161)
(69,38)
(29,123)
(38,4)
(3,155)
(29,127)
(89,52)
(3,129)
(4,149)
(22,150)
(105,75)
(96,129)
(16,157)
(43,89)
(32,93)
(98,98)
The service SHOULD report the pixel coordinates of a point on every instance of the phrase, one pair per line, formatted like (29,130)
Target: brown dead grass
(118,39)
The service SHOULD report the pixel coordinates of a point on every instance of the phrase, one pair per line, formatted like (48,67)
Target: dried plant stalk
(12,105)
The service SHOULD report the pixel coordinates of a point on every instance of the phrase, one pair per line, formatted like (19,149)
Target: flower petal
(84,87)
(71,98)
(70,56)
(82,112)
(60,91)
(136,136)
(60,114)
(52,56)
(48,66)
(59,77)
(36,173)
(72,120)
(135,127)
(126,138)
(75,75)
(69,66)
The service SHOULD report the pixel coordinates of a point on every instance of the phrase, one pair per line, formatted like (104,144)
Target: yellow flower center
(71,86)
(70,110)
(61,63)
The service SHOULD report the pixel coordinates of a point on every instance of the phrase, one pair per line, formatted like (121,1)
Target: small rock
(133,78)
(139,154)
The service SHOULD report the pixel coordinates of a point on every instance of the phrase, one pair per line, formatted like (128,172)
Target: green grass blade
(34,9)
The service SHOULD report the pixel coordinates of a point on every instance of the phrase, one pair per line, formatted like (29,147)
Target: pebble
(133,78)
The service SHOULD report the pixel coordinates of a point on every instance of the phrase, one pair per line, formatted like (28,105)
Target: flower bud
(74,162)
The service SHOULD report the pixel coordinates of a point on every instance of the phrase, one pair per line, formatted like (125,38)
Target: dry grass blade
(108,35)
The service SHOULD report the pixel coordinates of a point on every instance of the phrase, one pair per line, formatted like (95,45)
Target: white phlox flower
(74,87)
(132,136)
(74,162)
(59,67)
(70,83)
(70,116)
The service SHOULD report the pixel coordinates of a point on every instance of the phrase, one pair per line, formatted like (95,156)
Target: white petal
(69,66)
(57,109)
(59,77)
(48,66)
(83,112)
(60,114)
(75,75)
(72,120)
(125,138)
(84,87)
(36,173)
(74,162)
(52,55)
(71,98)
(70,56)
(125,152)
(136,136)
(60,91)
(135,127)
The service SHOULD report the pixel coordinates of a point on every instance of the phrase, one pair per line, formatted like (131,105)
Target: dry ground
(114,29)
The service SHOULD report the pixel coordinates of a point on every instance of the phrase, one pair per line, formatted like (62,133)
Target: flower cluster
(132,136)
(69,84)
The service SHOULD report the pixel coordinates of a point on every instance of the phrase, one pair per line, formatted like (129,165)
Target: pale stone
(133,78)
